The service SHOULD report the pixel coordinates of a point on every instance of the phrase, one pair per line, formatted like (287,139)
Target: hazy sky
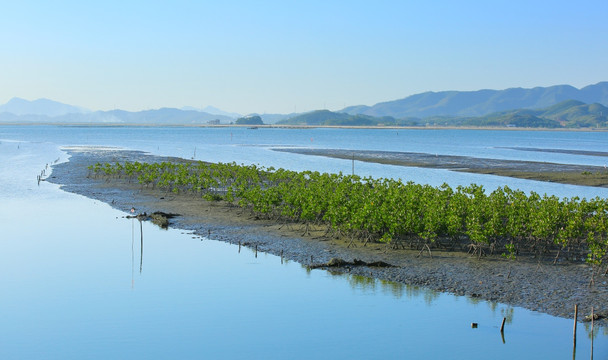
(281,56)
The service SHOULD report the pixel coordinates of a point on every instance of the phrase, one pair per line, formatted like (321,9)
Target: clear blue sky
(281,56)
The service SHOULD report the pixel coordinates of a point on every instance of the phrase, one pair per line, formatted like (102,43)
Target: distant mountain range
(274,118)
(554,106)
(48,111)
(17,106)
(165,116)
(213,111)
(482,102)
(330,118)
(566,114)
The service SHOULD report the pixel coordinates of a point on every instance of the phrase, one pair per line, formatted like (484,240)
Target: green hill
(516,119)
(482,102)
(566,114)
(579,115)
(249,120)
(330,118)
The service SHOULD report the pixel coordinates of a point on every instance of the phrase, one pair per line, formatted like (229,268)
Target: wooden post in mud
(575,318)
(141,254)
(239,246)
(256,251)
(281,256)
(592,332)
(502,326)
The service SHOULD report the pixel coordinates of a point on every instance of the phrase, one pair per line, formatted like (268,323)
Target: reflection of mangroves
(367,283)
(159,218)
(386,210)
(394,288)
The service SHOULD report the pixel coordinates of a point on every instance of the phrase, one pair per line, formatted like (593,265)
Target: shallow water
(246,146)
(72,288)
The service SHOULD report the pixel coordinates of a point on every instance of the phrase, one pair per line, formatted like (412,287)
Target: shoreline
(529,283)
(584,175)
(275,126)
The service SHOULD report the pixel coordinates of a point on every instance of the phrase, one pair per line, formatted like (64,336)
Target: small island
(249,120)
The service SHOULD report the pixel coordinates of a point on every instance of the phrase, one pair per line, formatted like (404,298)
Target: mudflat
(586,175)
(532,283)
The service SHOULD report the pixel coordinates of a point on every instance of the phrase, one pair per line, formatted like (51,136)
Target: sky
(291,56)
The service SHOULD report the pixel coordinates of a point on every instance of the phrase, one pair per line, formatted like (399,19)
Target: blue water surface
(77,285)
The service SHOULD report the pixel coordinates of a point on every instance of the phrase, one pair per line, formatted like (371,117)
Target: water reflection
(191,302)
(395,289)
(369,285)
(141,249)
(358,282)
(398,290)
(507,313)
(132,253)
(429,296)
(597,330)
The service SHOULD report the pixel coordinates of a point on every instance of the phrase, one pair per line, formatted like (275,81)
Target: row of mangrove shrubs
(390,211)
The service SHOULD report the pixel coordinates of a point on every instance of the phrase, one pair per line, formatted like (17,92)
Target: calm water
(254,146)
(72,286)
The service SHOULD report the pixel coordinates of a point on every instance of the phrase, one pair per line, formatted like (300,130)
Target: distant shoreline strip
(585,175)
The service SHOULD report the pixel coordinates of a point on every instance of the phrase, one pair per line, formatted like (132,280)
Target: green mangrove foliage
(385,210)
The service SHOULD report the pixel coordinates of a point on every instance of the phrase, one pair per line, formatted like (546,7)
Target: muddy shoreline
(530,283)
(586,175)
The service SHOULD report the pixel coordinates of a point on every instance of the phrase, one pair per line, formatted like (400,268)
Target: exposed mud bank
(530,283)
(586,175)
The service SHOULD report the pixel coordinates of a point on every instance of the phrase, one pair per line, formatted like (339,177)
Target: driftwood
(337,262)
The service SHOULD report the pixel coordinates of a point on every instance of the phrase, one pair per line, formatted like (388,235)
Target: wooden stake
(141,253)
(502,326)
(592,332)
(256,251)
(575,319)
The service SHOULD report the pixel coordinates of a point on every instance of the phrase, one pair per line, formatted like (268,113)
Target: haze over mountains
(45,107)
(213,111)
(510,107)
(48,111)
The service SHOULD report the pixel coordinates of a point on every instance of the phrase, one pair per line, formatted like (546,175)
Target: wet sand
(531,170)
(535,284)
